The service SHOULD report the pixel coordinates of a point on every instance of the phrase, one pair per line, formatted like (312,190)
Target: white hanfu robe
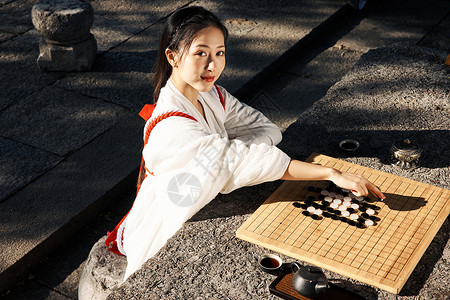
(193,161)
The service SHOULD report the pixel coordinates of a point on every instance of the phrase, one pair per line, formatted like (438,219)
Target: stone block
(63,21)
(103,272)
(76,57)
(67,43)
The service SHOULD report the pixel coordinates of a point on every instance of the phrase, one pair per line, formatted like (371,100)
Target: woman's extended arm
(299,170)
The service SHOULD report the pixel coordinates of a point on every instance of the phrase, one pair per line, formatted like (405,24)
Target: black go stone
(304,206)
(330,209)
(306,213)
(365,216)
(311,188)
(296,204)
(315,205)
(343,219)
(352,223)
(315,217)
(360,225)
(337,212)
(374,218)
(334,217)
(325,203)
(351,210)
(326,214)
(321,197)
(310,198)
(362,208)
(355,201)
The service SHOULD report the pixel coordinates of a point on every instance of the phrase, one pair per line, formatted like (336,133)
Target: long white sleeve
(190,169)
(248,124)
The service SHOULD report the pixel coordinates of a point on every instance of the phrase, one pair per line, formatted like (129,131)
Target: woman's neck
(188,91)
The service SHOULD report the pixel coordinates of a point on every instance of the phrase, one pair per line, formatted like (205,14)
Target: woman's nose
(211,65)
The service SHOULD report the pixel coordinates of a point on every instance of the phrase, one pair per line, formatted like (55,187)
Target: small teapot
(308,281)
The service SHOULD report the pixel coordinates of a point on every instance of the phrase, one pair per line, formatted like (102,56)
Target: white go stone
(318,212)
(345,213)
(310,209)
(347,199)
(334,205)
(324,192)
(354,216)
(328,199)
(342,207)
(354,206)
(346,203)
(369,222)
(370,211)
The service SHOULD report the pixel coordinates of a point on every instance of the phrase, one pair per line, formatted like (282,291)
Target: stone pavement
(58,174)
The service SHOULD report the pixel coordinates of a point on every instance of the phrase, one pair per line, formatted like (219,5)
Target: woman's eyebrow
(206,46)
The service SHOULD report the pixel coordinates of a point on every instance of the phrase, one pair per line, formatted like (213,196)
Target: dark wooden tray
(282,287)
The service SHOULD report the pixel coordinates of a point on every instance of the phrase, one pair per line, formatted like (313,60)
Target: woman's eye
(201,53)
(221,53)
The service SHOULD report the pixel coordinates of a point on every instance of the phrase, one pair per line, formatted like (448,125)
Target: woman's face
(200,65)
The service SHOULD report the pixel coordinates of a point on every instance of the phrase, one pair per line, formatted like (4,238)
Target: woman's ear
(171,57)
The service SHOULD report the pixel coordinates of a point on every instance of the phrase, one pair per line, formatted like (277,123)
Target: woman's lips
(208,78)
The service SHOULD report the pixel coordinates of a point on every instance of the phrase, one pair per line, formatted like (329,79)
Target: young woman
(201,141)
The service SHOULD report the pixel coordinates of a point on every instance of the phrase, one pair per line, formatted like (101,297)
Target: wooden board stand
(383,255)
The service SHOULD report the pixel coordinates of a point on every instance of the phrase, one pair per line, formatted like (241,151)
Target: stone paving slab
(259,36)
(4,36)
(57,120)
(206,250)
(117,77)
(46,212)
(20,164)
(439,36)
(144,44)
(20,74)
(402,27)
(15,16)
(137,13)
(327,67)
(287,98)
(118,21)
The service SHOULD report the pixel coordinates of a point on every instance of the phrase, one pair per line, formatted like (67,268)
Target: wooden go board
(382,254)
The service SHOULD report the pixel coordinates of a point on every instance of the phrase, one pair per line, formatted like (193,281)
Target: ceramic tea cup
(270,263)
(349,146)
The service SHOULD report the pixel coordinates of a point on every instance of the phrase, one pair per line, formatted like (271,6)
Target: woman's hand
(360,186)
(357,183)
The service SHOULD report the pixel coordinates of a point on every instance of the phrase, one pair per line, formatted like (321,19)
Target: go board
(297,220)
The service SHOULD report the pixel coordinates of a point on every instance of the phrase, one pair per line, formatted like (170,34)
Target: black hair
(181,28)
